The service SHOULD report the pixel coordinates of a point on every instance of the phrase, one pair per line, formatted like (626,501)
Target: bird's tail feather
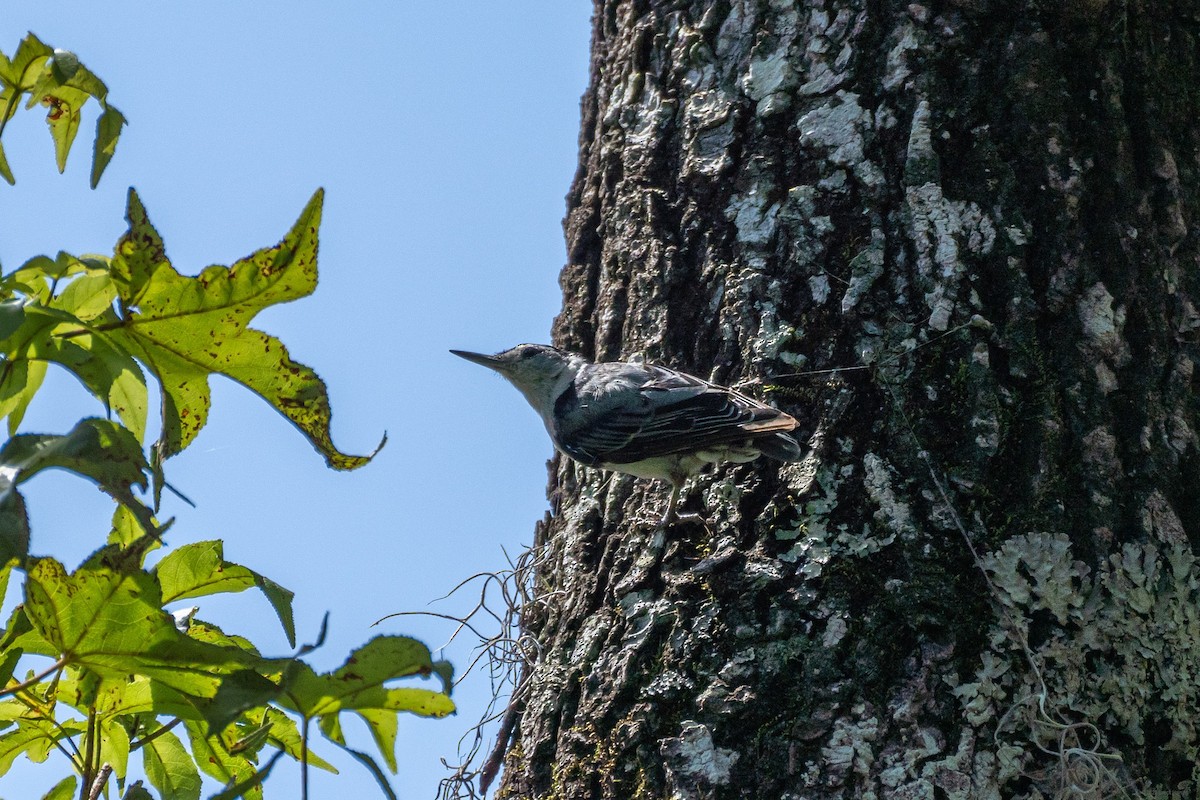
(780,446)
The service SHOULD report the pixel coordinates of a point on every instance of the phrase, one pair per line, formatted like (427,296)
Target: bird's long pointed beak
(491,362)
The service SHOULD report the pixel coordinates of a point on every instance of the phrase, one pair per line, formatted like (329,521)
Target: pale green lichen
(891,512)
(849,750)
(1125,650)
(693,763)
(837,126)
(865,268)
(1103,324)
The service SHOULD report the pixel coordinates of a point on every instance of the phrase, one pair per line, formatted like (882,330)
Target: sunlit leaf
(170,769)
(18,384)
(5,169)
(114,746)
(108,130)
(384,726)
(63,116)
(286,736)
(34,738)
(127,529)
(199,569)
(250,787)
(185,329)
(113,625)
(27,62)
(87,296)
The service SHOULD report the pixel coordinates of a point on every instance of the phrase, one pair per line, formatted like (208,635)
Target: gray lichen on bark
(988,211)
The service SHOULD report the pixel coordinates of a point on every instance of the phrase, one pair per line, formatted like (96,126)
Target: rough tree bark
(986,211)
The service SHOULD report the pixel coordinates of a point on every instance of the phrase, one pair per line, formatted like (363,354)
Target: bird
(638,419)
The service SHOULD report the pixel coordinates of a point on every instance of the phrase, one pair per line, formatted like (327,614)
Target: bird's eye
(527,351)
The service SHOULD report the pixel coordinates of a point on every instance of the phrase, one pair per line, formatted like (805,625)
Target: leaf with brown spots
(185,329)
(359,686)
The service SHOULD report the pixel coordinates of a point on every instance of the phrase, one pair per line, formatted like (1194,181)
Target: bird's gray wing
(627,413)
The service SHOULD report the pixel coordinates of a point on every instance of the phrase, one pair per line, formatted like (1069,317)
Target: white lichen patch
(754,215)
(1103,324)
(940,230)
(891,512)
(837,126)
(819,286)
(770,79)
(849,750)
(865,269)
(773,340)
(897,70)
(693,763)
(707,133)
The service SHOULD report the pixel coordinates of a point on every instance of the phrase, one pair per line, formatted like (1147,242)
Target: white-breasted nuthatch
(640,419)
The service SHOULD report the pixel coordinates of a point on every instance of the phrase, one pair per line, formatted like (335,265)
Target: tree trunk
(958,242)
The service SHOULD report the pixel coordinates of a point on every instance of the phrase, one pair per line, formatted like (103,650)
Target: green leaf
(34,738)
(114,746)
(251,786)
(215,761)
(63,790)
(5,169)
(108,130)
(64,104)
(127,529)
(137,792)
(170,769)
(97,449)
(113,625)
(19,382)
(185,329)
(286,736)
(51,334)
(359,683)
(28,62)
(199,569)
(88,296)
(14,526)
(383,726)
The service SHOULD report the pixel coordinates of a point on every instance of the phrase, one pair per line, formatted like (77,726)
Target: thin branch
(304,758)
(150,737)
(101,779)
(36,679)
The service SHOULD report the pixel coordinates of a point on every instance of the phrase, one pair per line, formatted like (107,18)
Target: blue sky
(445,136)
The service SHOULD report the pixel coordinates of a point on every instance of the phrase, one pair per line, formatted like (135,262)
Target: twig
(36,679)
(101,779)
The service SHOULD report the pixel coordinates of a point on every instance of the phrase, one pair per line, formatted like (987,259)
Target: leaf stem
(304,758)
(150,737)
(36,679)
(89,754)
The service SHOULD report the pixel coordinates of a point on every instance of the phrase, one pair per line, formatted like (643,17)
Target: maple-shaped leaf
(185,329)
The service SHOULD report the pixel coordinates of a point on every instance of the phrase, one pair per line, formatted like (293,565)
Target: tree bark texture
(982,215)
